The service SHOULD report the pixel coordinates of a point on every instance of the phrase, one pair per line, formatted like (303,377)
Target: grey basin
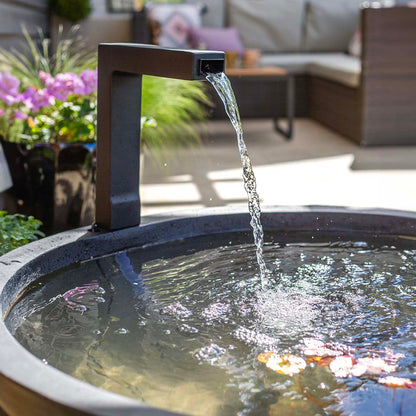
(29,387)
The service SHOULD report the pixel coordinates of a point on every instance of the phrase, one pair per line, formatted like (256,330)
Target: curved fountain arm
(120,70)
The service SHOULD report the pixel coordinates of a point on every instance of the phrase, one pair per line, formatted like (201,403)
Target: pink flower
(63,85)
(1,112)
(9,83)
(89,78)
(45,77)
(20,115)
(9,88)
(34,100)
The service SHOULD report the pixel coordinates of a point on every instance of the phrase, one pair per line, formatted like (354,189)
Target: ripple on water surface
(183,327)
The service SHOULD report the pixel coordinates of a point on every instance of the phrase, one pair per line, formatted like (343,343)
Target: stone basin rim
(44,384)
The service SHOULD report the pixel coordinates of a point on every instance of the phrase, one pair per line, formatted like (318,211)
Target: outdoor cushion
(214,16)
(268,25)
(216,38)
(338,67)
(170,22)
(342,68)
(355,45)
(296,63)
(330,24)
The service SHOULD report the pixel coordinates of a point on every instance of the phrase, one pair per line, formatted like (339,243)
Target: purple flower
(34,100)
(45,77)
(20,115)
(63,85)
(1,112)
(9,88)
(9,83)
(89,78)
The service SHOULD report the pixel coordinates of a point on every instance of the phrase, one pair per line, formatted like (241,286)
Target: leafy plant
(17,230)
(174,106)
(64,110)
(33,108)
(71,55)
(72,10)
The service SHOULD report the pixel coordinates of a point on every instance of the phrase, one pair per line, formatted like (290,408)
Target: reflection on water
(180,327)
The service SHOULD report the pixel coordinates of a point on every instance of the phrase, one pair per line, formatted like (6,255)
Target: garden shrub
(17,230)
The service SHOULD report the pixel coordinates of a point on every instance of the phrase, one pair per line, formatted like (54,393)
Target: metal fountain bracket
(120,70)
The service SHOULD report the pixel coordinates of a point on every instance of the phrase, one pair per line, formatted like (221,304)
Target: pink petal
(341,366)
(400,382)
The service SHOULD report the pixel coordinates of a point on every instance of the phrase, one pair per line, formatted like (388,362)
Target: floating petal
(341,366)
(401,382)
(375,366)
(287,364)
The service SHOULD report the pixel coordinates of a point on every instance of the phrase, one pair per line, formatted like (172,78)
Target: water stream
(222,85)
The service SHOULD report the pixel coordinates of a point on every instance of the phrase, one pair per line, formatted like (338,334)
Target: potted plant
(47,126)
(47,130)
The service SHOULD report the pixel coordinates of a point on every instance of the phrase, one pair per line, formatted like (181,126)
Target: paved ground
(317,167)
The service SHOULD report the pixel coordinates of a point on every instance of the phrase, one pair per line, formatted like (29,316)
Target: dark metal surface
(120,70)
(290,109)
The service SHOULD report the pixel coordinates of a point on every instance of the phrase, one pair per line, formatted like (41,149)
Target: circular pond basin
(171,316)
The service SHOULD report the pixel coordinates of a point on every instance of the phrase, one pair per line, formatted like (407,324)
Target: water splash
(222,85)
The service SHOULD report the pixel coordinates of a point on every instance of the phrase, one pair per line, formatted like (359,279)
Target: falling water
(222,85)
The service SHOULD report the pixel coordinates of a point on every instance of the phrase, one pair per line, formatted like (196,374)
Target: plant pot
(53,182)
(5,178)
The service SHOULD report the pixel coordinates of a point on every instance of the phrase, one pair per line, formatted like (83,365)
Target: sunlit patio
(317,167)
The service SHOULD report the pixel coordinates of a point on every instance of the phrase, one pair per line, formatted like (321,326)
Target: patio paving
(317,167)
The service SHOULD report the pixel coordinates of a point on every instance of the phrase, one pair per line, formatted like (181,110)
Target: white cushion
(338,67)
(268,25)
(342,68)
(296,63)
(330,24)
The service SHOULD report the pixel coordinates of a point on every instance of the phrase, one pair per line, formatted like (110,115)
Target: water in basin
(184,326)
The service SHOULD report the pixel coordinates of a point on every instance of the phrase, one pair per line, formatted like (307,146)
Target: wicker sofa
(370,98)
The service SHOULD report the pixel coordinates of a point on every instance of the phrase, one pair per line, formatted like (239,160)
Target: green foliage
(72,10)
(71,121)
(175,106)
(71,55)
(17,230)
(170,107)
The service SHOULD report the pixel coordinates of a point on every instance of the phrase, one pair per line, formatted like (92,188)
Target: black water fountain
(27,385)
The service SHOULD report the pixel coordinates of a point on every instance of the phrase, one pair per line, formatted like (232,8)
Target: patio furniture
(255,89)
(371,100)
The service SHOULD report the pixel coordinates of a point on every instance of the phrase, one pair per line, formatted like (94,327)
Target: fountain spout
(120,70)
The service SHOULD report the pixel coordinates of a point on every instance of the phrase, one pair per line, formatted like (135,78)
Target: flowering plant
(33,111)
(62,110)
